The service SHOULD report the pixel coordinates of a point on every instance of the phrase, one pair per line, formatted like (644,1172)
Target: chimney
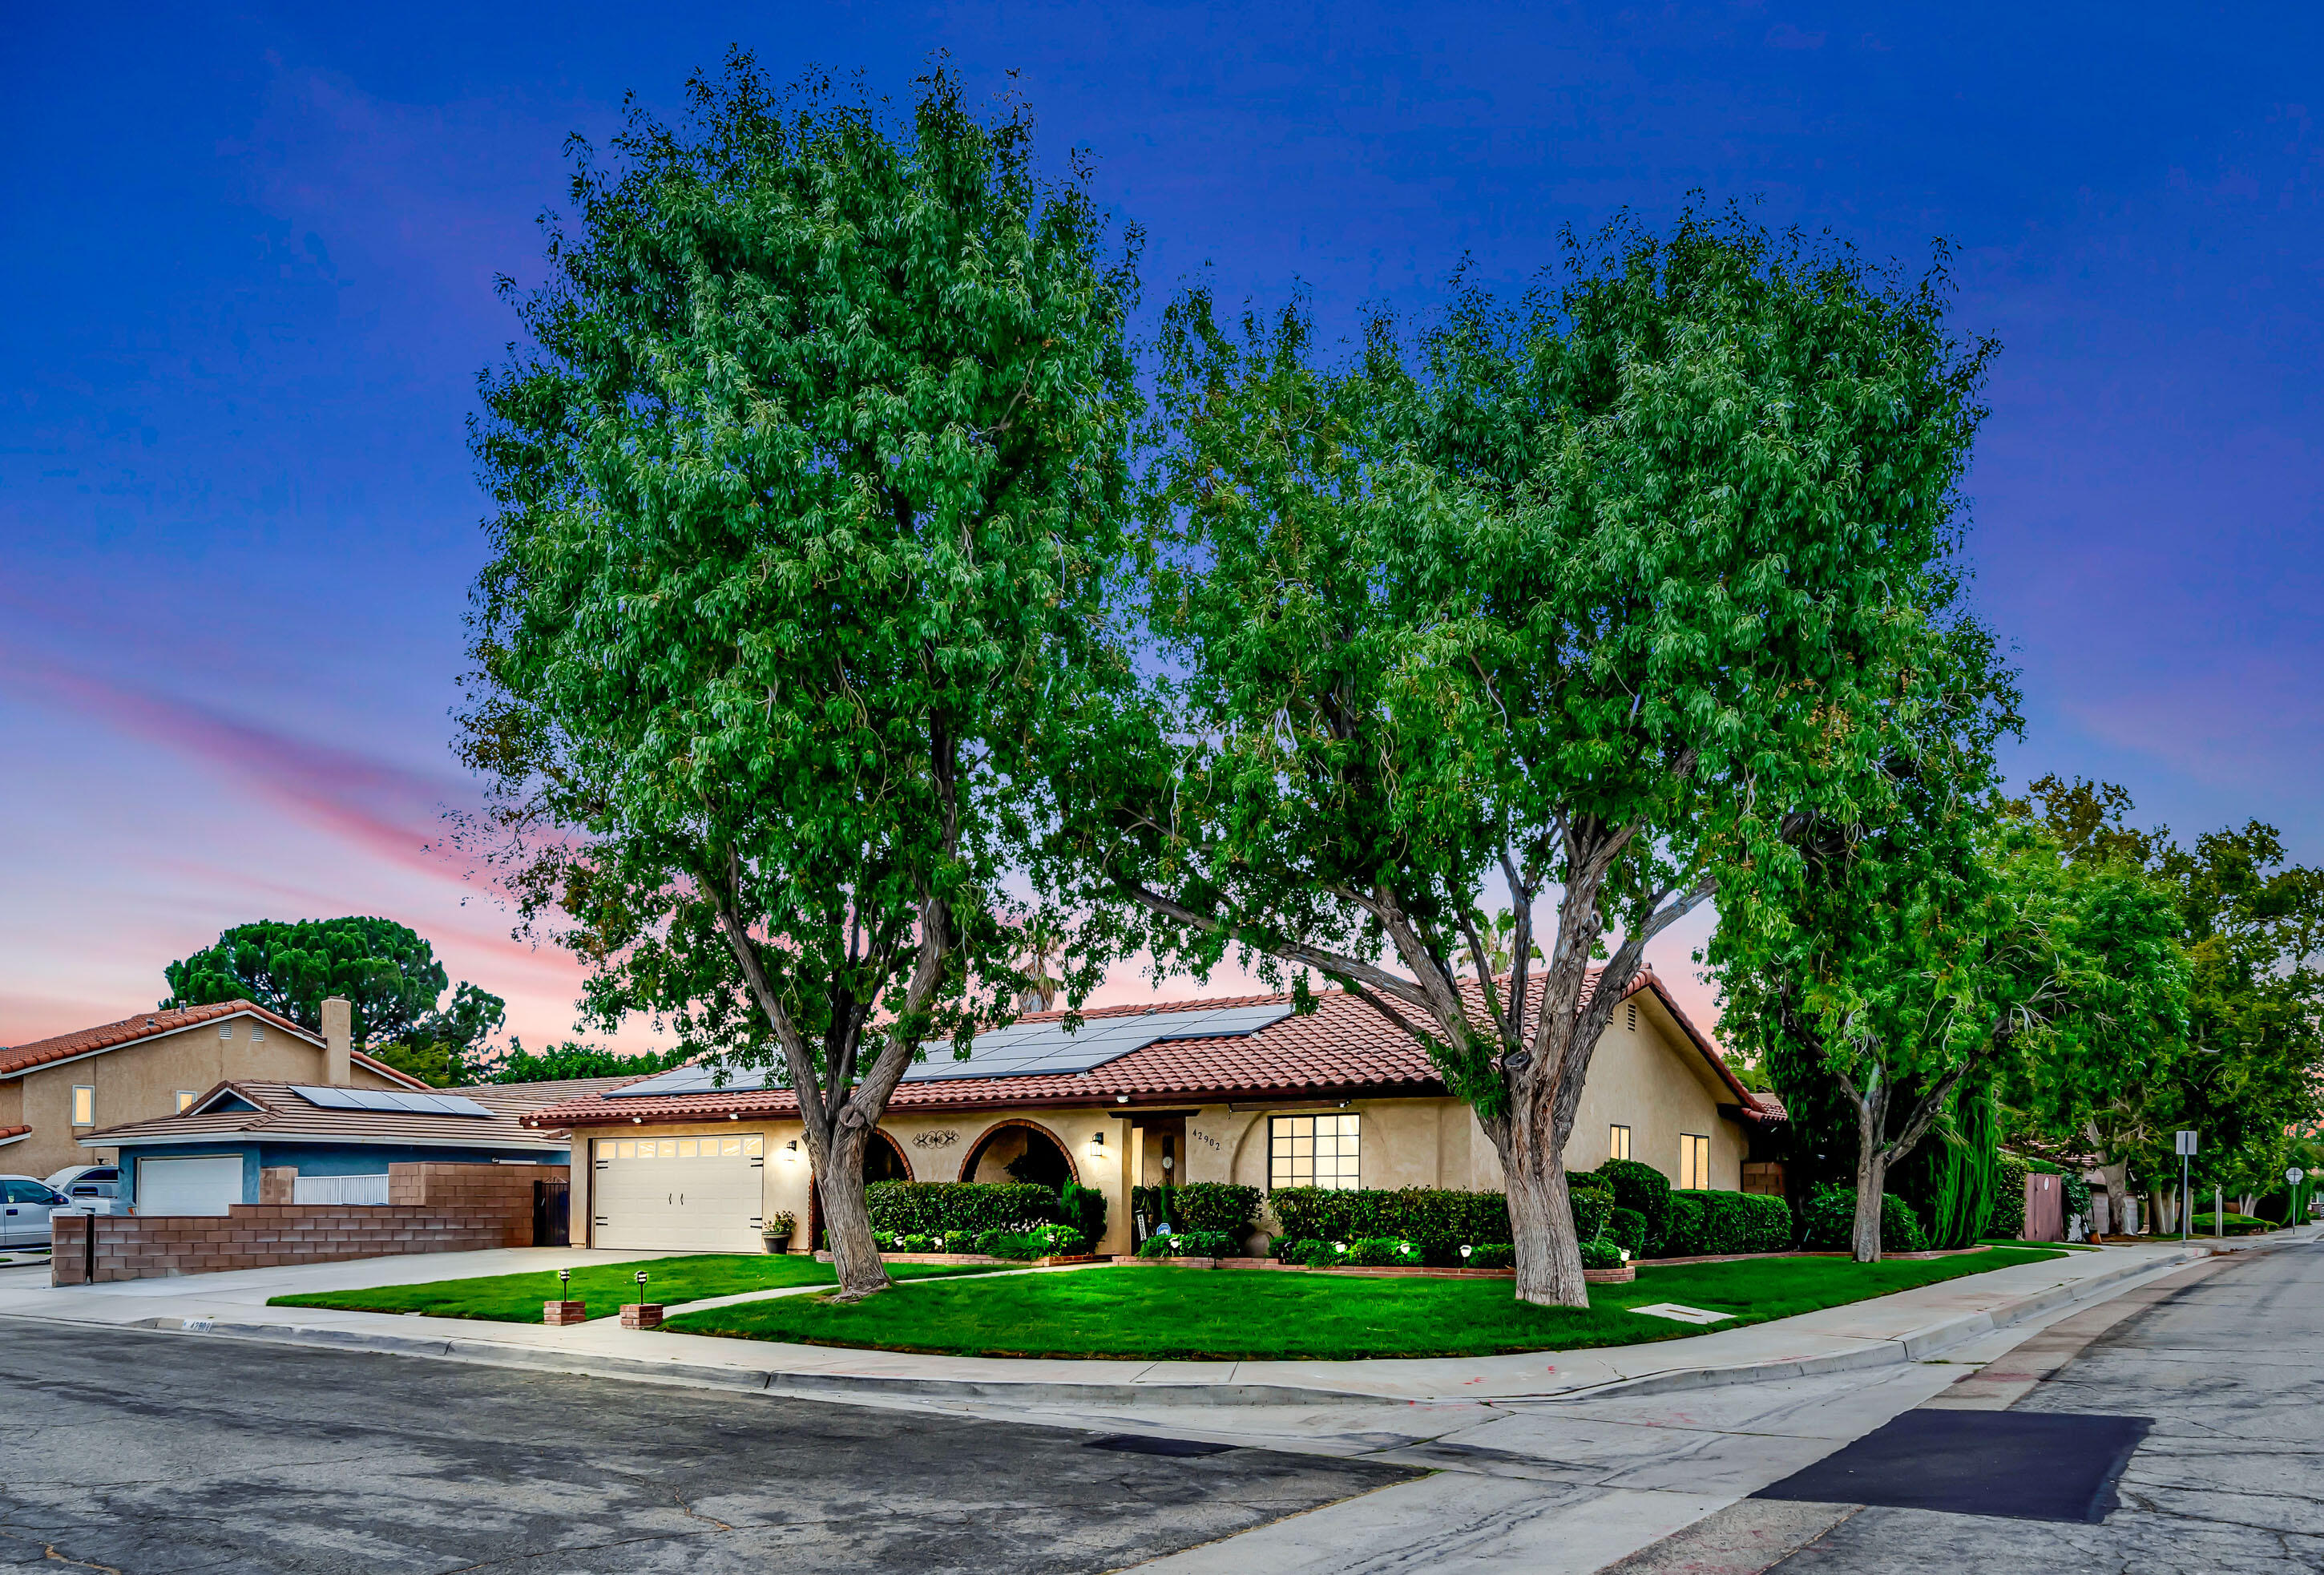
(339,1042)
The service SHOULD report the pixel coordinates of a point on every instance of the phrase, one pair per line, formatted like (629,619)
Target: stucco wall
(140,1081)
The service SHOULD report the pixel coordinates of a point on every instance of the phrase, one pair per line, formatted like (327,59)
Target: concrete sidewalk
(1907,1327)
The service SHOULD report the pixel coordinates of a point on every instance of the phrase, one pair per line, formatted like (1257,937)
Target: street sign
(2295,1175)
(2186,1144)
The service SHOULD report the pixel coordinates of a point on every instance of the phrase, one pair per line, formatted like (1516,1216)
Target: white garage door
(202,1186)
(695,1194)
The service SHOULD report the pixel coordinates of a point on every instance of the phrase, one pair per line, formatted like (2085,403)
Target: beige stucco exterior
(1646,1075)
(141,1080)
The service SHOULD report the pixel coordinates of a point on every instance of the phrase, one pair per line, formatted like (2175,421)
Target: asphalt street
(152,1454)
(2230,1476)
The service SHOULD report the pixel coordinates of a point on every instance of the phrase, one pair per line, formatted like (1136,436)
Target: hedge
(949,1208)
(1638,1185)
(1829,1222)
(1219,1206)
(2008,1220)
(1627,1227)
(1706,1224)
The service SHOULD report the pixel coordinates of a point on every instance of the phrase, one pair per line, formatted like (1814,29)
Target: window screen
(1312,1151)
(1617,1143)
(1693,1161)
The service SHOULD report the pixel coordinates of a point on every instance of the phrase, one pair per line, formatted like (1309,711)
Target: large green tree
(388,973)
(2250,1065)
(1573,606)
(805,495)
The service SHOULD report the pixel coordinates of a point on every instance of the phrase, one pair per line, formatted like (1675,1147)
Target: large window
(1617,1143)
(1312,1151)
(1693,1161)
(84,1105)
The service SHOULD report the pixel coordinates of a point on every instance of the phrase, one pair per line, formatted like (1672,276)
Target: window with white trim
(185,1099)
(1693,1161)
(84,1105)
(1618,1141)
(1312,1151)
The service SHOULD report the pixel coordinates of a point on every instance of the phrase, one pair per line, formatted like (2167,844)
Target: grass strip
(1195,1314)
(517,1297)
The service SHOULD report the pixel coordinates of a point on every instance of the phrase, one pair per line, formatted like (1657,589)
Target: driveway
(147,1454)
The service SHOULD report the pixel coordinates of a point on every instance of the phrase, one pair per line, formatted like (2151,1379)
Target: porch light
(1097,1145)
(790,1152)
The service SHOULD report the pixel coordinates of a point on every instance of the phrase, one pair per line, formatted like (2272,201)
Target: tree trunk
(1871,1187)
(1541,1224)
(847,1217)
(2115,1178)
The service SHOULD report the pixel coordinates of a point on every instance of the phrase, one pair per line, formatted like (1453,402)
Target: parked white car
(25,1202)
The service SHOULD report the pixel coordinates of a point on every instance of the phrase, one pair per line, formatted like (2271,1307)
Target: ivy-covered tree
(388,973)
(805,492)
(1583,598)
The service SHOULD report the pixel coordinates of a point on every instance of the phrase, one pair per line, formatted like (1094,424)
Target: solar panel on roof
(398,1100)
(702,1078)
(1045,1049)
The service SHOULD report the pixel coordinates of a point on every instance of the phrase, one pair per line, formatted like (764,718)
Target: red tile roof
(1343,1049)
(9,1132)
(22,1058)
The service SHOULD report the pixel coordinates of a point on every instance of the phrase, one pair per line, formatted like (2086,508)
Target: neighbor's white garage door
(701,1194)
(200,1186)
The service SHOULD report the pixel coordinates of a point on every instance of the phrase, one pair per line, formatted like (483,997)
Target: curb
(486,1353)
(1895,1351)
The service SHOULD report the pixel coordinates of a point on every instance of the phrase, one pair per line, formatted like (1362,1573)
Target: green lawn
(1230,1315)
(517,1297)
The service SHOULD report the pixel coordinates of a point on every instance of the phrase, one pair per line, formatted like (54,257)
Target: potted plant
(777,1231)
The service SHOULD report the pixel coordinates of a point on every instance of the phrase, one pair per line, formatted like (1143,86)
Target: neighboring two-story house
(54,1092)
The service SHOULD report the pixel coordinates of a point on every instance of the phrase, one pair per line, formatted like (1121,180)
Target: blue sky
(250,256)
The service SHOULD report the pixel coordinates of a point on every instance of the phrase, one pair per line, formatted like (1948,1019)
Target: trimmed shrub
(1639,1186)
(1216,1206)
(1601,1254)
(1493,1256)
(2008,1220)
(1829,1222)
(1319,1255)
(968,1208)
(2237,1223)
(1382,1252)
(1708,1224)
(1051,1241)
(1627,1227)
(1191,1243)
(1438,1221)
(1083,1209)
(1593,1198)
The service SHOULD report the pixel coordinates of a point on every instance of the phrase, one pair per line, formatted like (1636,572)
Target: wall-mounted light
(1097,1145)
(790,1152)
(637,1121)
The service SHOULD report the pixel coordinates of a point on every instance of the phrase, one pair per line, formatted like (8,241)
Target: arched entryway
(1020,1151)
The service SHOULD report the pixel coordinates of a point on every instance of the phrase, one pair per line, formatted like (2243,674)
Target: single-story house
(1244,1090)
(324,1144)
(54,1092)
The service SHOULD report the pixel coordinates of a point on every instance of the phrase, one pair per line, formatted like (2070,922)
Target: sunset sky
(249,261)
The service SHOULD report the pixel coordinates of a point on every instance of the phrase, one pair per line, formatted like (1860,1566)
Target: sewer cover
(1132,1444)
(2013,1465)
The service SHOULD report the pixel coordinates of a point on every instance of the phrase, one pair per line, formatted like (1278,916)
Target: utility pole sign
(2186,1147)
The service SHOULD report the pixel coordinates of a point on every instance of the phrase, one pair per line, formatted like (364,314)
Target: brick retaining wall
(433,1208)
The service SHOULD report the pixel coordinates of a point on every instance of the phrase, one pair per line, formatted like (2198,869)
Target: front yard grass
(1226,1315)
(517,1297)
